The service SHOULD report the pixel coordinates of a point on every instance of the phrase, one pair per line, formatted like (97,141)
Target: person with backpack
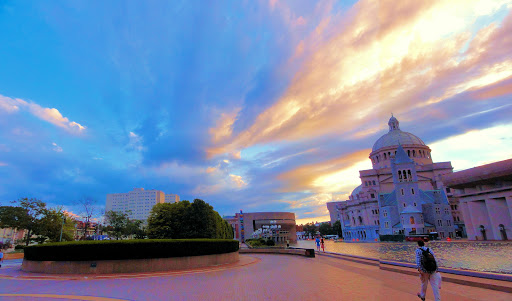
(427,267)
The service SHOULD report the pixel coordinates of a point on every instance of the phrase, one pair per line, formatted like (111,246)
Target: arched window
(400,175)
(360,220)
(409,152)
(414,153)
(385,156)
(409,176)
(411,220)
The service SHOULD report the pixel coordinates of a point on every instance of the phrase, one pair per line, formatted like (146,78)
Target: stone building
(402,194)
(278,226)
(485,196)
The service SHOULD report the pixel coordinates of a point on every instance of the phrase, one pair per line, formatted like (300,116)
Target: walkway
(272,277)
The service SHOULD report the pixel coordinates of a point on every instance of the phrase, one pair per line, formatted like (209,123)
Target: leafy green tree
(337,228)
(51,224)
(38,220)
(187,220)
(134,228)
(35,210)
(310,229)
(325,229)
(116,222)
(13,217)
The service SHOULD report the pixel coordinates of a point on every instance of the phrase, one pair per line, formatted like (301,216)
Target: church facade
(402,194)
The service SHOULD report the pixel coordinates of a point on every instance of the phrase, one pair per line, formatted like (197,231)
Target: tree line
(311,229)
(168,220)
(40,222)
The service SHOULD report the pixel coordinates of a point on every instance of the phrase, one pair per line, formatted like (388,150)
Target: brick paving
(273,277)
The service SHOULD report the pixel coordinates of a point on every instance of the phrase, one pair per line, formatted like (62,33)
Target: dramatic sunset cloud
(261,105)
(372,66)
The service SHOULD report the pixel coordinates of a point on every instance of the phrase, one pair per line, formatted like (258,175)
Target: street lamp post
(62,228)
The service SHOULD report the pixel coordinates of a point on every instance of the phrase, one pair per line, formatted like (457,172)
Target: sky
(248,105)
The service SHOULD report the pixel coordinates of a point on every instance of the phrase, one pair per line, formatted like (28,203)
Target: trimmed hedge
(129,249)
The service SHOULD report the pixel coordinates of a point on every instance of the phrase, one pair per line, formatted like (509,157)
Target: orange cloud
(304,177)
(501,88)
(386,57)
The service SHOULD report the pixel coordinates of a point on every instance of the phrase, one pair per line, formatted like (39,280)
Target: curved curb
(244,261)
(68,297)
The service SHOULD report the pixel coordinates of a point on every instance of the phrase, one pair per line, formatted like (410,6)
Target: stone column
(493,210)
(470,229)
(509,204)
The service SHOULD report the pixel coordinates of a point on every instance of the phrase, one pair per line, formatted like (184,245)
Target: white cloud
(475,147)
(238,181)
(56,147)
(51,115)
(135,142)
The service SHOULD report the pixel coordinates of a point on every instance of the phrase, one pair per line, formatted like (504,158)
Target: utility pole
(62,228)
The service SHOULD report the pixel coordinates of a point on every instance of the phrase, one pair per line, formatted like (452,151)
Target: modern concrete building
(278,226)
(402,193)
(333,211)
(138,202)
(485,197)
(172,198)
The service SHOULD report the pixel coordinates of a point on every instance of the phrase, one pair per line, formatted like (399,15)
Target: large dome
(356,191)
(396,137)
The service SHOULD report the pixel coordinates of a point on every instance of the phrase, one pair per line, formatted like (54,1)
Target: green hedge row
(129,249)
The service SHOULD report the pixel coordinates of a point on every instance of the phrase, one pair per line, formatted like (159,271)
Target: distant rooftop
(480,174)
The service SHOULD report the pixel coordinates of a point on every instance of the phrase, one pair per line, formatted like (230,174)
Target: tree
(116,222)
(135,229)
(88,209)
(310,229)
(13,217)
(337,229)
(187,220)
(325,229)
(33,216)
(31,222)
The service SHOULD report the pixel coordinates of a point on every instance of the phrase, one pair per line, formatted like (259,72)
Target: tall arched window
(400,175)
(411,220)
(385,156)
(360,220)
(409,152)
(414,153)
(409,176)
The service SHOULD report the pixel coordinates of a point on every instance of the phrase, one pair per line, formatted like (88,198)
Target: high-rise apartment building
(172,198)
(138,202)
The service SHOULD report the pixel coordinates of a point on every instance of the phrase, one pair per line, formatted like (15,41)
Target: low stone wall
(128,266)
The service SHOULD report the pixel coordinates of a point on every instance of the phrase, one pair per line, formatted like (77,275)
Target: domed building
(401,194)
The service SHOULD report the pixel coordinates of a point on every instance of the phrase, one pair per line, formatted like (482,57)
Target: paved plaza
(256,277)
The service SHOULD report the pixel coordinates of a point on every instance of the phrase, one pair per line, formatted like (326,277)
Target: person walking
(427,267)
(1,256)
(317,240)
(322,244)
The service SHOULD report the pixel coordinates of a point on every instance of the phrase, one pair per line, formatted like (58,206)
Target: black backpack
(429,262)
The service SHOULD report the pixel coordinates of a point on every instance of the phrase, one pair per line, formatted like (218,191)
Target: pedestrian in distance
(427,267)
(1,256)
(317,240)
(322,244)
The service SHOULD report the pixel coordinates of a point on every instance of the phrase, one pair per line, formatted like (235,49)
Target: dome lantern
(393,123)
